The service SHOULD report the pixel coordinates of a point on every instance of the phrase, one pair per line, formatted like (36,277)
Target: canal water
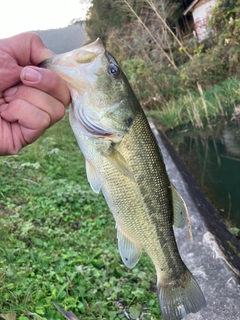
(212,154)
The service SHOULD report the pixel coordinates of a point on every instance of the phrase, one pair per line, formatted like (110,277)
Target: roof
(190,8)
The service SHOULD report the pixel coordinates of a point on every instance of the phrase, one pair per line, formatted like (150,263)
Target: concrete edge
(228,244)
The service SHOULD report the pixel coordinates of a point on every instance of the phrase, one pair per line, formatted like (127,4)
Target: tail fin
(176,302)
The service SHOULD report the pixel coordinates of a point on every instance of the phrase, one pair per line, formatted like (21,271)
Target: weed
(194,107)
(58,239)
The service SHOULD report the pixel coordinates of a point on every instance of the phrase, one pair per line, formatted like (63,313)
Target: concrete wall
(217,272)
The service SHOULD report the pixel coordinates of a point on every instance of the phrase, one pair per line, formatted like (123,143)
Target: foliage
(161,66)
(205,69)
(195,106)
(225,23)
(58,240)
(103,18)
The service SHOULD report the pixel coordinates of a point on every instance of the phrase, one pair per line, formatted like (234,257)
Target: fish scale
(156,205)
(124,161)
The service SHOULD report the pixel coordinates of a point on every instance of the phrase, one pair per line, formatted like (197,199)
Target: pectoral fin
(118,161)
(129,251)
(180,211)
(92,177)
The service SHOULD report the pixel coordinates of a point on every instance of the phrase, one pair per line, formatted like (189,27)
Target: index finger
(26,48)
(17,52)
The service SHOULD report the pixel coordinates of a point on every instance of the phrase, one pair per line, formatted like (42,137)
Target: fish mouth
(75,61)
(73,68)
(77,69)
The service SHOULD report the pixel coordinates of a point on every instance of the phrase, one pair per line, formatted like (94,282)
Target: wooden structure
(201,11)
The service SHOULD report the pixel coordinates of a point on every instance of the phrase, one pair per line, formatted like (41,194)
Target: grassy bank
(199,107)
(176,77)
(58,240)
(195,107)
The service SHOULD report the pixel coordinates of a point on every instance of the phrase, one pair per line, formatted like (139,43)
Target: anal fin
(129,251)
(180,211)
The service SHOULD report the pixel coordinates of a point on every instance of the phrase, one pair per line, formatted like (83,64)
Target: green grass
(192,107)
(58,240)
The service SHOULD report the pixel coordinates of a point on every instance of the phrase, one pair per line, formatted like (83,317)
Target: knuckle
(26,93)
(34,37)
(61,112)
(23,93)
(44,120)
(16,105)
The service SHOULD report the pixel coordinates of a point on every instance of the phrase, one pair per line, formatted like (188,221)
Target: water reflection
(213,156)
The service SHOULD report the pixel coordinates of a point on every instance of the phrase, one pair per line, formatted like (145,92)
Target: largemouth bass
(124,161)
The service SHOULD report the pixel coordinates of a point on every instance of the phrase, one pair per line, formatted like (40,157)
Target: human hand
(31,98)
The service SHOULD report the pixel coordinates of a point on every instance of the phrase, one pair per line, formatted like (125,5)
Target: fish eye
(114,70)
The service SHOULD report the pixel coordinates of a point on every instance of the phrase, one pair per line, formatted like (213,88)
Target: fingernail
(3,107)
(10,92)
(31,75)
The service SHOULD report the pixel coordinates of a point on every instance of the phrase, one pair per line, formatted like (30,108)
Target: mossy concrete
(213,256)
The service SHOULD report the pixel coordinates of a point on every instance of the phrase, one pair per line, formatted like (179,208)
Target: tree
(102,18)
